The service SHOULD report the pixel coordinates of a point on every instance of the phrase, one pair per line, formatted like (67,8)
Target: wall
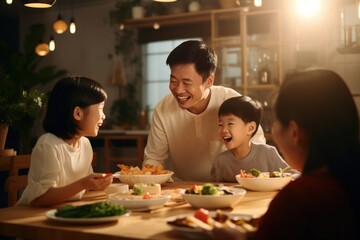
(310,42)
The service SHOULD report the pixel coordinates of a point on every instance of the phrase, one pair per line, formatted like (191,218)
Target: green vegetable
(137,191)
(275,174)
(255,172)
(209,189)
(99,209)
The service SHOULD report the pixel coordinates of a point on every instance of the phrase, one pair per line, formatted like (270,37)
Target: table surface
(31,223)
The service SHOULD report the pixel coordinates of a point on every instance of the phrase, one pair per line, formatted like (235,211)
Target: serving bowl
(214,201)
(264,184)
(146,179)
(138,203)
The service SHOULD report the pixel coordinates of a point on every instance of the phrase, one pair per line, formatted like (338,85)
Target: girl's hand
(97,181)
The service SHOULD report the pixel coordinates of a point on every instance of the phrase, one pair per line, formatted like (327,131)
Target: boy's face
(188,88)
(234,132)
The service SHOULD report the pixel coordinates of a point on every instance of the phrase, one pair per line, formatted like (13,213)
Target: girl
(60,167)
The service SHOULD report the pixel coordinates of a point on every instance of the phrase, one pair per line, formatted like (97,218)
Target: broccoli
(209,189)
(255,172)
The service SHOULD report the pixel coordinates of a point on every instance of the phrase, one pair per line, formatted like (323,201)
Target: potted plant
(125,111)
(20,76)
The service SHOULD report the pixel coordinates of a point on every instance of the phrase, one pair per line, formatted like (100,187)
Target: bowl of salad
(263,181)
(212,197)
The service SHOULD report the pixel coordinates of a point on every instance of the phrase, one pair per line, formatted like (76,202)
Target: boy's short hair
(243,107)
(196,52)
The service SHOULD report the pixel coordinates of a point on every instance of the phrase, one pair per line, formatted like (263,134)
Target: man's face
(188,88)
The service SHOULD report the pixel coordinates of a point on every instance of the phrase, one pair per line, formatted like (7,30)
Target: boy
(239,120)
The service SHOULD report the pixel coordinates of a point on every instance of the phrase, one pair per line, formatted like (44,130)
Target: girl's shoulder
(49,138)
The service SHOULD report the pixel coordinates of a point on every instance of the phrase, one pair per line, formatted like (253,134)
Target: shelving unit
(248,44)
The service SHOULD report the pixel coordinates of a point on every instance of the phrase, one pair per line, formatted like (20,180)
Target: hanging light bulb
(42,49)
(38,3)
(60,25)
(52,44)
(9,1)
(156,26)
(72,25)
(257,3)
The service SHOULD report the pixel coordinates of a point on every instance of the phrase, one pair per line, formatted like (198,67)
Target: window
(156,73)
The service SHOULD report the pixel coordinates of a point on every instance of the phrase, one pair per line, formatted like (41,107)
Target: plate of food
(148,174)
(203,220)
(213,197)
(263,181)
(95,213)
(142,202)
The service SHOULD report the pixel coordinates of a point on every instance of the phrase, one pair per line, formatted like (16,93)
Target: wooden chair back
(15,182)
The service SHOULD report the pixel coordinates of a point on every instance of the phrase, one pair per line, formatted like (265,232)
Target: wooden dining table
(32,223)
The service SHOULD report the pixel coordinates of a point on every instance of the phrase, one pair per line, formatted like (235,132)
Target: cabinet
(248,44)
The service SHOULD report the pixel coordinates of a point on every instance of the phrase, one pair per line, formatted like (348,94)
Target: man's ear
(77,113)
(210,80)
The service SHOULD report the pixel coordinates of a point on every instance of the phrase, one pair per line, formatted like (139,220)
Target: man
(184,131)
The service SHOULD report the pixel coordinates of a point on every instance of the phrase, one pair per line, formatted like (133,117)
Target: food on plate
(94,210)
(152,188)
(203,219)
(208,189)
(254,173)
(148,169)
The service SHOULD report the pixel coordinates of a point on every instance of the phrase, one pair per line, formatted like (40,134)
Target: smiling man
(184,130)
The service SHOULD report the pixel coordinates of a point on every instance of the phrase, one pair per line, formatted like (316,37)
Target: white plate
(199,230)
(51,215)
(146,179)
(139,204)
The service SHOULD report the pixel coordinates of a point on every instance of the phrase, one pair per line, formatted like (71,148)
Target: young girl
(60,167)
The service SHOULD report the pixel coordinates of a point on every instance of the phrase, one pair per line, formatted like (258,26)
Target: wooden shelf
(172,19)
(349,50)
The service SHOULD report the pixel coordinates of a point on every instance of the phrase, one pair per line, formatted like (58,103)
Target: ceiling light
(164,0)
(9,1)
(72,25)
(52,44)
(42,49)
(38,3)
(60,25)
(156,26)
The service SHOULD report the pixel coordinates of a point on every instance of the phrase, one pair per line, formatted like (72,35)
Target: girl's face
(291,142)
(188,88)
(90,119)
(234,131)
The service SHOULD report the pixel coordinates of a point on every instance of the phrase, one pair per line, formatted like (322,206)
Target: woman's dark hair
(320,102)
(197,52)
(243,107)
(67,94)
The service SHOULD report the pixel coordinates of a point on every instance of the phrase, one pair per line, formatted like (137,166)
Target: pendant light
(9,1)
(42,49)
(60,26)
(38,3)
(52,43)
(164,0)
(72,25)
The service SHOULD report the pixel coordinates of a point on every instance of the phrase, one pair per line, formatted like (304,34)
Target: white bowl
(264,184)
(218,201)
(133,179)
(116,187)
(134,202)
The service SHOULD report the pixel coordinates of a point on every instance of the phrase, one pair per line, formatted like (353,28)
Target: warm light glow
(38,3)
(358,8)
(156,26)
(164,0)
(257,3)
(307,8)
(121,26)
(52,44)
(9,1)
(60,26)
(72,25)
(42,49)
